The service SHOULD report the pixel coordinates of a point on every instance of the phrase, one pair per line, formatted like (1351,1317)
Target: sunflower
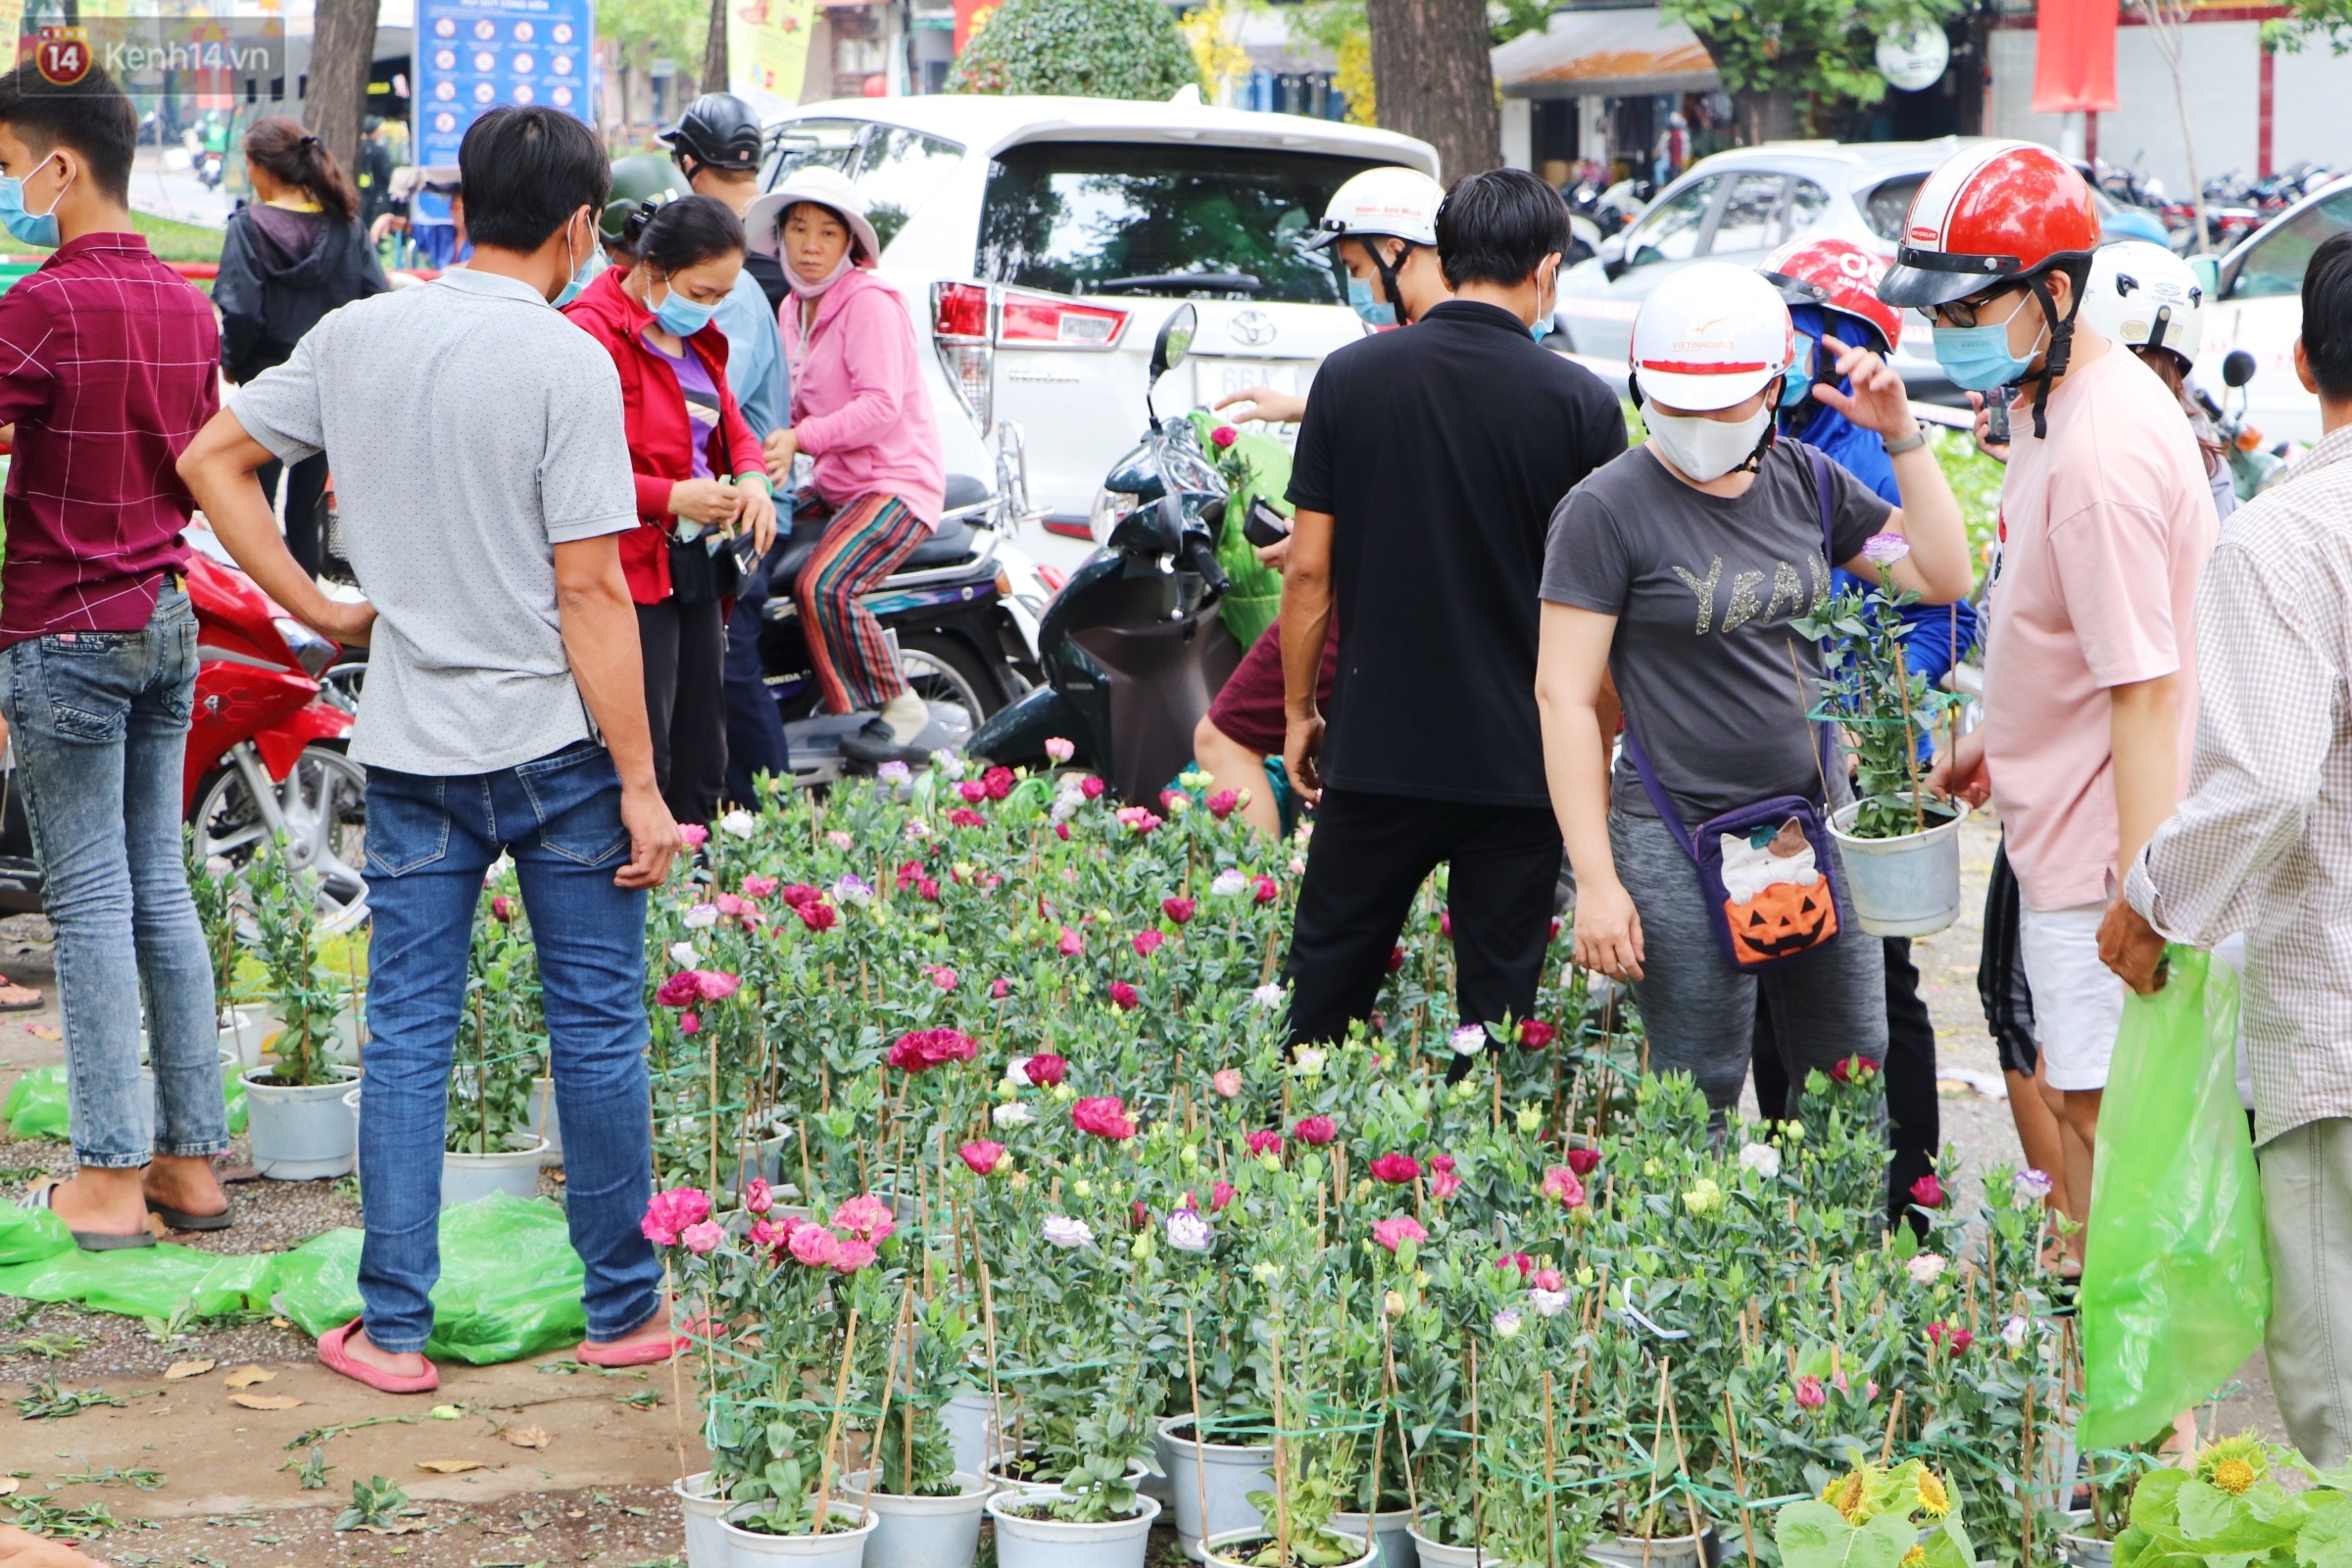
(1934,1498)
(1847,1496)
(2235,1464)
(1915,1556)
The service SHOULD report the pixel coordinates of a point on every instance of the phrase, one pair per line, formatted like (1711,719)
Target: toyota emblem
(1251,328)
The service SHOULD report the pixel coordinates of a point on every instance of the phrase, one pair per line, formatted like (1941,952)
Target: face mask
(808,290)
(1705,449)
(681,315)
(1797,387)
(32,228)
(1978,358)
(1541,326)
(1376,313)
(579,272)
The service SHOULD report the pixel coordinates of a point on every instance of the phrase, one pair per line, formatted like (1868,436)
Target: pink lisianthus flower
(1547,1279)
(1223,804)
(1072,944)
(1317,1130)
(854,1256)
(1180,910)
(999,989)
(922,1050)
(759,887)
(1397,1170)
(966,817)
(1224,435)
(690,1022)
(502,908)
(1091,787)
(972,791)
(1444,1184)
(1518,1260)
(1104,1116)
(758,1198)
(1060,749)
(1560,1184)
(1148,941)
(1810,1395)
(866,1217)
(1395,1231)
(942,976)
(982,1155)
(815,1247)
(1044,1070)
(703,1238)
(1124,997)
(1220,1197)
(693,835)
(669,1212)
(1227,1082)
(1264,1141)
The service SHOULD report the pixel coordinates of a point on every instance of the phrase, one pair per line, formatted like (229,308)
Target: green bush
(1088,48)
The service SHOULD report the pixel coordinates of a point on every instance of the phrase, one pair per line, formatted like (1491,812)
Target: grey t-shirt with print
(1703,588)
(471,428)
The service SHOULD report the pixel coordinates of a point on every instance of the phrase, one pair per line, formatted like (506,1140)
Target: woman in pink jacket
(859,410)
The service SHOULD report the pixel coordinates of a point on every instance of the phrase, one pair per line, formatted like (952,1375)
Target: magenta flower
(1927,1191)
(1104,1116)
(818,915)
(1810,1395)
(1397,1170)
(1584,1161)
(982,1155)
(502,908)
(693,835)
(1148,941)
(1395,1231)
(866,1216)
(1091,787)
(1072,944)
(921,1049)
(999,989)
(1044,1070)
(1317,1130)
(964,816)
(1124,997)
(1560,1184)
(1227,1082)
(997,782)
(1224,435)
(972,791)
(690,1023)
(1265,891)
(1264,1141)
(1223,804)
(757,1195)
(702,1239)
(1534,1034)
(1180,910)
(670,1212)
(1219,1196)
(942,976)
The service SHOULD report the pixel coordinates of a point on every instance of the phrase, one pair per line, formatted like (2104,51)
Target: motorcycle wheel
(324,803)
(940,669)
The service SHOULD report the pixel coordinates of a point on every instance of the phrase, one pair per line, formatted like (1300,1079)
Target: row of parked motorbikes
(1120,661)
(2234,206)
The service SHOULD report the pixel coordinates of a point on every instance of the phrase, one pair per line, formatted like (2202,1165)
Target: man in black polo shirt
(1428,467)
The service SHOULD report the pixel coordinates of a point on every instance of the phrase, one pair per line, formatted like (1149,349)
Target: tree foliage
(2306,20)
(1091,48)
(1773,53)
(646,31)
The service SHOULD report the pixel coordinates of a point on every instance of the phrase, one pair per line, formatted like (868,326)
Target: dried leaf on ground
(8,1485)
(265,1401)
(43,1031)
(406,1527)
(450,1467)
(527,1436)
(188,1370)
(245,1377)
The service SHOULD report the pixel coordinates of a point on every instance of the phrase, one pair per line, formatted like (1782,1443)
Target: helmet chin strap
(1771,426)
(1387,275)
(2062,344)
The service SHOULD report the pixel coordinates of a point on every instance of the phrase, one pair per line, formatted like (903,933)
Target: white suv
(1041,241)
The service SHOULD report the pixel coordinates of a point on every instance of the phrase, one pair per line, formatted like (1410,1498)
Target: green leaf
(2325,1539)
(2208,1513)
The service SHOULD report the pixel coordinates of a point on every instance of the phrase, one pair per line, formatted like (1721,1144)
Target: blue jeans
(429,842)
(100,720)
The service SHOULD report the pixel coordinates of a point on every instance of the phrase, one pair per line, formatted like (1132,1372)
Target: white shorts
(2078,1000)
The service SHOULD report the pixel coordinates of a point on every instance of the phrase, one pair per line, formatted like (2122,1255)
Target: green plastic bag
(510,1283)
(1253,602)
(2176,1286)
(36,1106)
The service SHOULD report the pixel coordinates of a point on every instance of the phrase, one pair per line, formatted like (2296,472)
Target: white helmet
(1401,203)
(1710,336)
(2142,295)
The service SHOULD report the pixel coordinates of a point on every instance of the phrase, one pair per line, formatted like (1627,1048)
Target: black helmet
(720,131)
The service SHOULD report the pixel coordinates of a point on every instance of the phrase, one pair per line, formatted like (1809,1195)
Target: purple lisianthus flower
(1884,549)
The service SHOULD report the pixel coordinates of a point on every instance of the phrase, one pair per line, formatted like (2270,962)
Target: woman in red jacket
(700,478)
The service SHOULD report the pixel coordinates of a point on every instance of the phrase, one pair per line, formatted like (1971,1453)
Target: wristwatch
(1908,443)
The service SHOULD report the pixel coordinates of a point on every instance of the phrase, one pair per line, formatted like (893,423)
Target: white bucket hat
(822,184)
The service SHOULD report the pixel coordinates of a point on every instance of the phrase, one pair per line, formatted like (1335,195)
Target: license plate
(1215,379)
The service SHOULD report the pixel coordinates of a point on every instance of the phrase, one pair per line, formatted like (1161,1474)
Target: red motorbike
(274,706)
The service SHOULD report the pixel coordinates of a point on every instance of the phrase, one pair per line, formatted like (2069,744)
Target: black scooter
(1132,649)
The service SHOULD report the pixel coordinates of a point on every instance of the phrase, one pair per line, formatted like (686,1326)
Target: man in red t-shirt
(108,363)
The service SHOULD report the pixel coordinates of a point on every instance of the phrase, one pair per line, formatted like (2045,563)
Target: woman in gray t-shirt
(1675,569)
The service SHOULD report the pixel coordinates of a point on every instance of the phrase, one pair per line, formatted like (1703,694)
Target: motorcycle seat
(948,544)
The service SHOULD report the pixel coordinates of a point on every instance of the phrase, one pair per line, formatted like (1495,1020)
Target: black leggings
(1914,1116)
(685,647)
(305,488)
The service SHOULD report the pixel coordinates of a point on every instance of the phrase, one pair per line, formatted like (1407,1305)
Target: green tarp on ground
(35,1107)
(510,1281)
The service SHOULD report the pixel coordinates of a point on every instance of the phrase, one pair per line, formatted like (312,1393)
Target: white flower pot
(921,1532)
(1366,1555)
(304,1134)
(706,1536)
(544,1123)
(1227,1475)
(1660,1552)
(1901,887)
(978,1437)
(1003,1480)
(1432,1555)
(1053,1544)
(842,1545)
(342,1045)
(351,1103)
(1391,1532)
(513,1171)
(2082,1549)
(241,1033)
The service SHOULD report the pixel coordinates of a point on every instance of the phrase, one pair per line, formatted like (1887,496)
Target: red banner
(2073,60)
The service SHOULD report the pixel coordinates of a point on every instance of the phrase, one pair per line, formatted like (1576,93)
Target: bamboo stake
(1404,1441)
(677,1395)
(1747,1518)
(1894,1420)
(1282,1490)
(991,1425)
(1551,1511)
(840,1395)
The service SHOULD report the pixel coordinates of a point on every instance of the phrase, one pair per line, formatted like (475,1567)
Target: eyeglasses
(1963,312)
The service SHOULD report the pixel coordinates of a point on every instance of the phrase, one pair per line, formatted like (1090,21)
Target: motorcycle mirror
(2237,367)
(1154,530)
(1175,339)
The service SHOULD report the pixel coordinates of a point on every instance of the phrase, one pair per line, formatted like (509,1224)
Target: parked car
(2258,307)
(1042,241)
(1736,206)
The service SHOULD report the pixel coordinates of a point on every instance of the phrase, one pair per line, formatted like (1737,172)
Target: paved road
(176,193)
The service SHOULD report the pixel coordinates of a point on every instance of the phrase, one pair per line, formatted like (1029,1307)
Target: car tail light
(1061,322)
(1053,578)
(959,334)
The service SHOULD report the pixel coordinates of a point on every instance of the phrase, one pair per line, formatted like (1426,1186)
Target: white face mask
(1705,449)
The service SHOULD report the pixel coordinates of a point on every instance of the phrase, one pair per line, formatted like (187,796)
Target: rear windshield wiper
(1229,282)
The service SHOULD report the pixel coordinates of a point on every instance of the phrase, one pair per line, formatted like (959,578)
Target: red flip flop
(647,1352)
(335,1358)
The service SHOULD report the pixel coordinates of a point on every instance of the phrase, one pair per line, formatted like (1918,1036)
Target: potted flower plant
(1901,848)
(929,1510)
(300,1128)
(490,1146)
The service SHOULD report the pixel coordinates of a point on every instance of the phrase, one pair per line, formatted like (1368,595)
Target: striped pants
(864,543)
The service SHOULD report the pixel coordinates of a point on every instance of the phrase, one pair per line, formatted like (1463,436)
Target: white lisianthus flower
(917,828)
(1063,1231)
(946,764)
(702,917)
(737,823)
(1469,1040)
(682,955)
(1067,805)
(2029,1186)
(1268,996)
(1547,1303)
(1188,1232)
(1762,1158)
(1228,882)
(1016,1073)
(893,774)
(1012,1113)
(853,889)
(1307,1061)
(1506,1323)
(1926,1269)
(2012,1332)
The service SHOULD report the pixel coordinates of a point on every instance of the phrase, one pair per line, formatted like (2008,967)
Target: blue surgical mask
(681,315)
(1797,386)
(31,228)
(579,272)
(1978,358)
(1540,329)
(1378,313)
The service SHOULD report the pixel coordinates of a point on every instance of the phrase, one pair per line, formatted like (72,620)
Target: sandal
(335,1358)
(647,1353)
(41,1195)
(15,998)
(180,1219)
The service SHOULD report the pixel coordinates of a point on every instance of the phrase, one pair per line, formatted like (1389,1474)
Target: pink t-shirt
(2106,526)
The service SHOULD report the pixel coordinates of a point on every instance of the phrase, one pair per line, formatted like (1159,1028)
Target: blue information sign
(474,55)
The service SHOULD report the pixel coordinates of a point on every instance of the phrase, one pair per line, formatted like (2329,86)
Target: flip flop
(16,997)
(180,1219)
(40,1196)
(335,1358)
(647,1353)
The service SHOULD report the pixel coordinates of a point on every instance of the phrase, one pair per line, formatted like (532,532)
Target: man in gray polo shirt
(482,476)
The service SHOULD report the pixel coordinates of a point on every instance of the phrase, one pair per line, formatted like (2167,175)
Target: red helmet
(1998,212)
(1836,275)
